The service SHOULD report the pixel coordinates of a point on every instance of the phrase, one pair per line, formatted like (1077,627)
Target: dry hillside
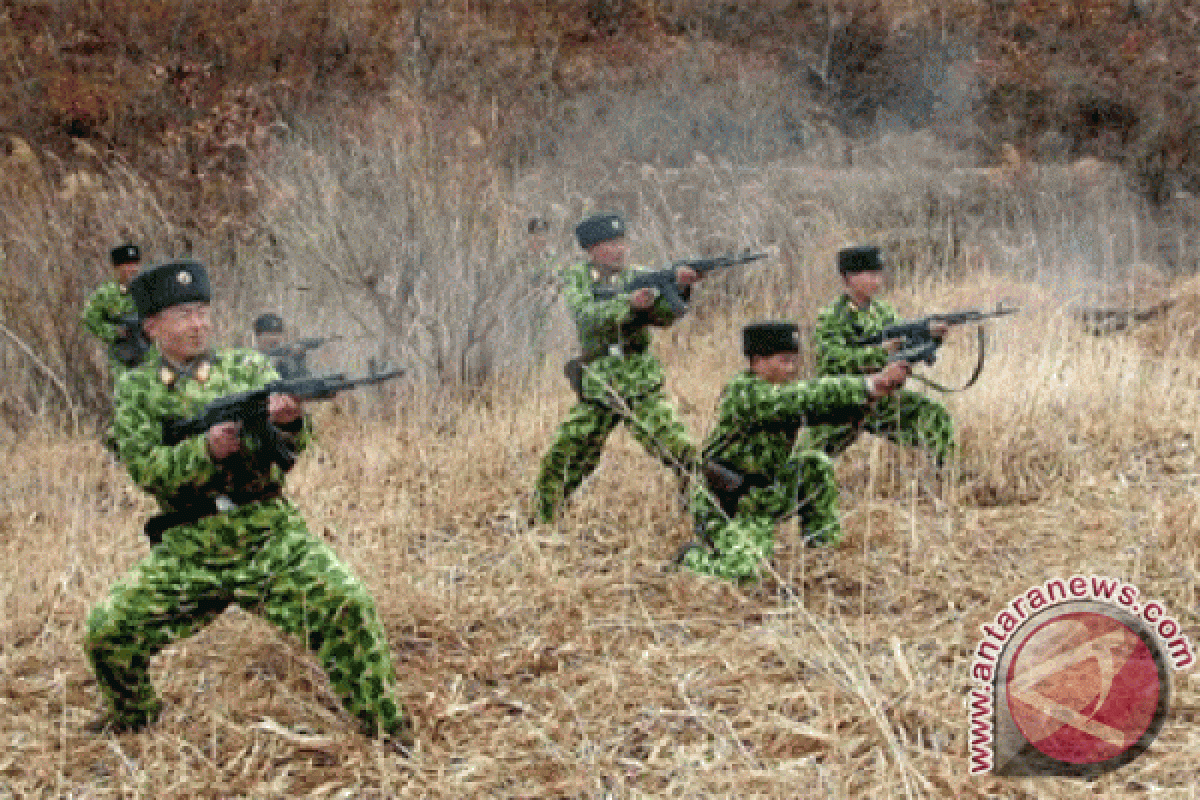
(368,168)
(187,93)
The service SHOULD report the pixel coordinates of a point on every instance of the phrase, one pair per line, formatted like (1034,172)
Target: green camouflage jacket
(614,337)
(99,317)
(173,474)
(106,304)
(758,421)
(839,326)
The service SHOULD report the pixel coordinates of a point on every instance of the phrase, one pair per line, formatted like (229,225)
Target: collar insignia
(199,371)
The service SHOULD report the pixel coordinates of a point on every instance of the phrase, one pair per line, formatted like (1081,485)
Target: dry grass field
(567,661)
(367,169)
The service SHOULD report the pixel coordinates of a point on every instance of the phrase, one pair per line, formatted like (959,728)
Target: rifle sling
(205,507)
(932,384)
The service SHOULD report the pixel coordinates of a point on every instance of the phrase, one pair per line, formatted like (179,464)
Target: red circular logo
(1084,688)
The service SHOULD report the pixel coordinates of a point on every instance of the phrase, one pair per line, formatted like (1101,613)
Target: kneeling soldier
(226,534)
(756,474)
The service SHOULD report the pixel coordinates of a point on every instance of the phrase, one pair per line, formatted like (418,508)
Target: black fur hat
(769,338)
(268,323)
(859,259)
(125,254)
(599,228)
(170,284)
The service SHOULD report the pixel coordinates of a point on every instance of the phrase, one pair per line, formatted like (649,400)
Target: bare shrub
(56,230)
(424,252)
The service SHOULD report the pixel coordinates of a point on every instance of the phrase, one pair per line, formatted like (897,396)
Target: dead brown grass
(565,661)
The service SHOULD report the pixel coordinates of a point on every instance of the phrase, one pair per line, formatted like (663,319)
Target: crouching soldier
(756,475)
(617,379)
(226,534)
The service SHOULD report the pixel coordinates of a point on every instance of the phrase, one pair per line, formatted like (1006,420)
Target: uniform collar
(849,301)
(603,275)
(198,369)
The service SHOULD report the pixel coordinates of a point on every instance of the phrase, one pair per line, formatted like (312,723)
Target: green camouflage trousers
(262,558)
(579,443)
(907,418)
(738,546)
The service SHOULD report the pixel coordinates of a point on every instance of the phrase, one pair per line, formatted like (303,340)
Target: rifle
(301,346)
(1098,321)
(250,409)
(130,348)
(919,343)
(663,280)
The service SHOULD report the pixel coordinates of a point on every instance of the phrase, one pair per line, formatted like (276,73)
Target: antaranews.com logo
(1072,678)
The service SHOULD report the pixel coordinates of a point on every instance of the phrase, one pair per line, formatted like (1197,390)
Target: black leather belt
(159,524)
(573,369)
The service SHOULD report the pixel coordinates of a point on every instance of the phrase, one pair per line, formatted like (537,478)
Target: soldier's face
(267,341)
(181,332)
(611,253)
(537,243)
(777,368)
(862,286)
(126,272)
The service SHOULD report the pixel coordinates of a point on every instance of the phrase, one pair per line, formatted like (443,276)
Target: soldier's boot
(112,721)
(132,702)
(401,739)
(544,510)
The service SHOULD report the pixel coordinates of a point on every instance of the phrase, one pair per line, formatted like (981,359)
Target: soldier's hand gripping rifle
(663,280)
(918,343)
(250,409)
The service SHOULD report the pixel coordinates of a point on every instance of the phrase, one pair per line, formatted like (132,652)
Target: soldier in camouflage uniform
(226,534)
(289,359)
(268,333)
(617,379)
(757,440)
(109,312)
(905,418)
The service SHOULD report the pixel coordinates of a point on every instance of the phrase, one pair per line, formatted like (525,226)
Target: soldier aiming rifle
(859,333)
(616,378)
(290,359)
(226,534)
